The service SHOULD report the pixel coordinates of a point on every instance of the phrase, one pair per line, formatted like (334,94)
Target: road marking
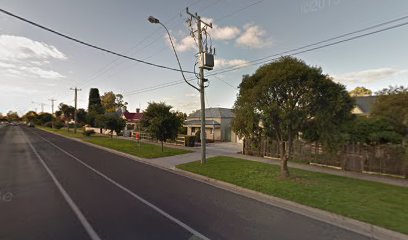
(89,229)
(154,207)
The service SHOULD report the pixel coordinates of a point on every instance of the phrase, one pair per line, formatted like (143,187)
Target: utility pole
(202,81)
(41,104)
(75,113)
(52,110)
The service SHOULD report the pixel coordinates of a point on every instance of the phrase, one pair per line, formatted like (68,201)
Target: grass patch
(145,150)
(376,203)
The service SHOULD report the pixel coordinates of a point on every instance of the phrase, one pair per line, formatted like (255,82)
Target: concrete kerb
(366,229)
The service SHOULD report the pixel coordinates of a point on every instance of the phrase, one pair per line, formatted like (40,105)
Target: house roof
(133,116)
(214,113)
(365,103)
(198,122)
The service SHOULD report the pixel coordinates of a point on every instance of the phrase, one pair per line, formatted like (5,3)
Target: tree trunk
(162,145)
(284,161)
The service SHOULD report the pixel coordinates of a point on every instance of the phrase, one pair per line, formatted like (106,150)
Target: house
(363,105)
(132,121)
(217,124)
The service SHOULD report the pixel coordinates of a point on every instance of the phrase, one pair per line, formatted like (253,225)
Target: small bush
(88,133)
(58,124)
(189,141)
(197,136)
(48,124)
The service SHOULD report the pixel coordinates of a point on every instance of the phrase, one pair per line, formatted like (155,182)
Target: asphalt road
(55,188)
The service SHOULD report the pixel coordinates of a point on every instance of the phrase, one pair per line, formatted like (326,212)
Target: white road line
(162,212)
(89,229)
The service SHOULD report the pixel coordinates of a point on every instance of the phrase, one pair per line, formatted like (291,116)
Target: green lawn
(380,204)
(145,150)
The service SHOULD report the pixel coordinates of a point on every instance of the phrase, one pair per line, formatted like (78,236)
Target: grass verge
(144,150)
(376,203)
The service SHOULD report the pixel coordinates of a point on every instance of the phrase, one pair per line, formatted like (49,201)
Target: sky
(36,65)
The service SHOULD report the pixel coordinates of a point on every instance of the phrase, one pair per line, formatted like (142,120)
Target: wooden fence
(385,159)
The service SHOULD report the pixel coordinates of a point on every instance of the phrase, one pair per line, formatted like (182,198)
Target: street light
(154,20)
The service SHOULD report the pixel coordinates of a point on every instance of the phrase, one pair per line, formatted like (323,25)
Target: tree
(360,91)
(30,116)
(67,111)
(12,116)
(284,96)
(392,104)
(372,131)
(182,117)
(94,104)
(112,102)
(160,122)
(81,115)
(95,107)
(43,118)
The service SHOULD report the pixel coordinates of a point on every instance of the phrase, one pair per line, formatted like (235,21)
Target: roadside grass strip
(144,150)
(375,203)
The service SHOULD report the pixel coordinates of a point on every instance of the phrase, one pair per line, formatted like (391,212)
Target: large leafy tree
(67,110)
(285,96)
(12,116)
(111,121)
(161,122)
(392,104)
(30,116)
(360,91)
(112,102)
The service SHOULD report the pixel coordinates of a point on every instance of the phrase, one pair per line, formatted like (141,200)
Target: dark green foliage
(88,133)
(160,122)
(67,111)
(48,124)
(43,118)
(94,104)
(372,130)
(189,141)
(58,124)
(284,97)
(110,121)
(197,136)
(392,104)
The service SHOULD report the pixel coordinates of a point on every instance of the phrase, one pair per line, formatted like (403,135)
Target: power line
(88,44)
(278,55)
(238,10)
(258,62)
(116,62)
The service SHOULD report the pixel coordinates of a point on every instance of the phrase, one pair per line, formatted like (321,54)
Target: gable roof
(365,103)
(214,113)
(132,116)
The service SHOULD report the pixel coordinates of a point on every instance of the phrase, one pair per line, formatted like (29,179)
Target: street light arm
(178,60)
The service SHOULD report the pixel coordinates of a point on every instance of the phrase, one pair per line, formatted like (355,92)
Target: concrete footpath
(231,150)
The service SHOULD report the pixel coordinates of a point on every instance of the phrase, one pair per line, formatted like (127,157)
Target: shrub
(48,124)
(197,136)
(58,124)
(189,141)
(88,133)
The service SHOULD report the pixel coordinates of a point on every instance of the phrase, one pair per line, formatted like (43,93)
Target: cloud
(221,63)
(21,57)
(21,48)
(48,74)
(222,33)
(370,75)
(253,37)
(185,44)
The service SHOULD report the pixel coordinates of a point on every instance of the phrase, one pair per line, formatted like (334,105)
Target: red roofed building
(132,121)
